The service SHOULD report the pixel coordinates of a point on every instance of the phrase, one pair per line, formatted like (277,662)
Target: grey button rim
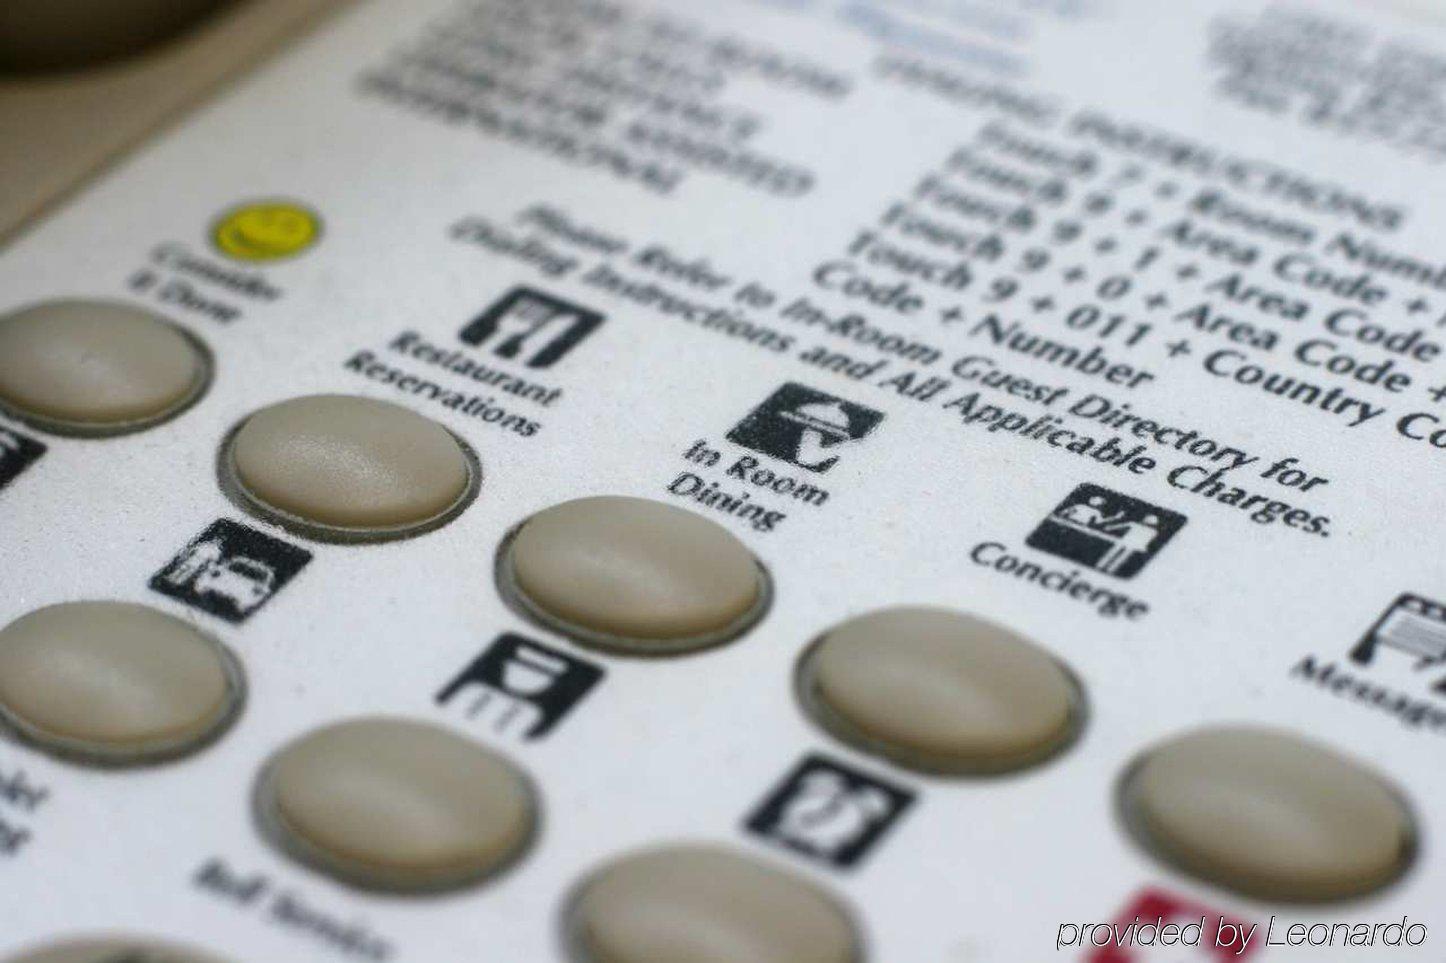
(817,709)
(68,428)
(1128,814)
(173,952)
(229,480)
(569,926)
(83,752)
(518,600)
(269,822)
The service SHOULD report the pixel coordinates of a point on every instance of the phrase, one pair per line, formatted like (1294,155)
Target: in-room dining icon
(805,427)
(1109,532)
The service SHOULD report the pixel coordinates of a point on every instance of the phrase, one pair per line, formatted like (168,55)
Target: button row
(928,688)
(407,806)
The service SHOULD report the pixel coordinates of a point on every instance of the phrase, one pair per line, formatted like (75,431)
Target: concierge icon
(1109,532)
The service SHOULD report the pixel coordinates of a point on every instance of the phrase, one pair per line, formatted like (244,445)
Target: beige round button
(940,691)
(114,683)
(705,904)
(634,574)
(115,950)
(97,367)
(1268,814)
(345,467)
(392,804)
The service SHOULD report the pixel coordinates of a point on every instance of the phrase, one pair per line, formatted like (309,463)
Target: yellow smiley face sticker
(266,230)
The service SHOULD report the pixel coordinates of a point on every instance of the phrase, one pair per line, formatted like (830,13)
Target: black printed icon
(230,570)
(829,812)
(804,427)
(526,323)
(521,687)
(1413,625)
(17,453)
(1109,532)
